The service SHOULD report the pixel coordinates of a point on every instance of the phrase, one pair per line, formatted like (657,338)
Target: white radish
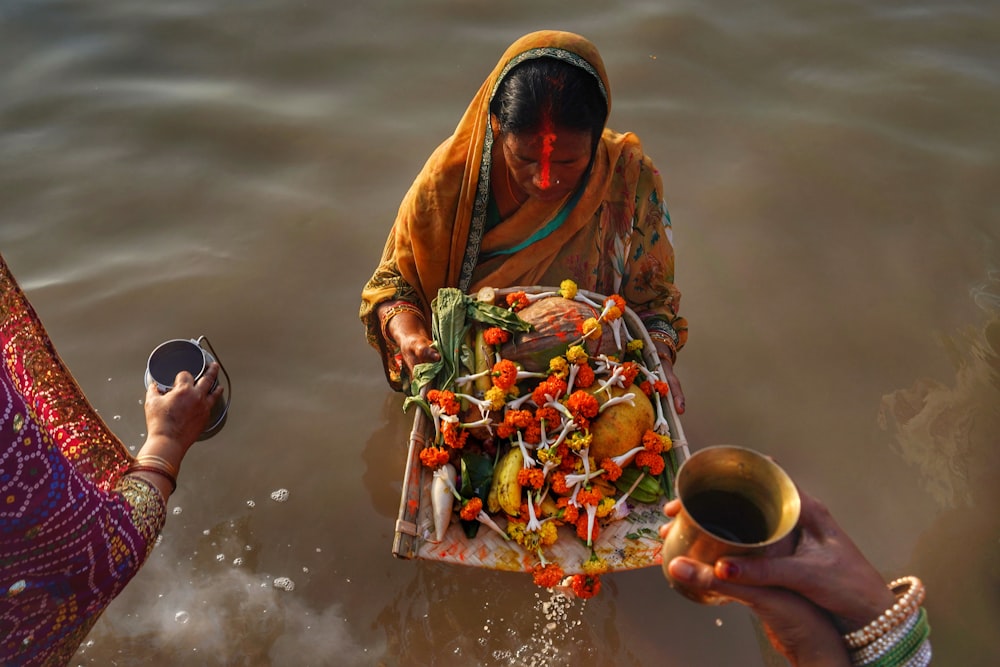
(442,499)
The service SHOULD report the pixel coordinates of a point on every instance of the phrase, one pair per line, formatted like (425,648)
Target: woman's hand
(806,599)
(668,369)
(415,345)
(181,414)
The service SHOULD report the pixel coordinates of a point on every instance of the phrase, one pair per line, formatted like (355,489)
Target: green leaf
(477,475)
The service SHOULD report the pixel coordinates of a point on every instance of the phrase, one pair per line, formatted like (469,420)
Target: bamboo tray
(627,544)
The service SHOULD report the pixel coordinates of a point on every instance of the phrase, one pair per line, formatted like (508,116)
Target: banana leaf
(453,312)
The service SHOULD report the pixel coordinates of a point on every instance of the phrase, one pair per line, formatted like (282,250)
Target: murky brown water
(231,169)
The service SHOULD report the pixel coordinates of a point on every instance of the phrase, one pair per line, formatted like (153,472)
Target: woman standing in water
(78,514)
(531,189)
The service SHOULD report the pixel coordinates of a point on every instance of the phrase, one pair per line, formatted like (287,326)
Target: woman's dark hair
(544,90)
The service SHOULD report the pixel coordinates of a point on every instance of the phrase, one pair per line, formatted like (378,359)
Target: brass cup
(734,501)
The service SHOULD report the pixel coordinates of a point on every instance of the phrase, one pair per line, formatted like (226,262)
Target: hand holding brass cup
(734,502)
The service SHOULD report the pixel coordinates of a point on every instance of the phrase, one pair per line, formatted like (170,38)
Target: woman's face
(549,164)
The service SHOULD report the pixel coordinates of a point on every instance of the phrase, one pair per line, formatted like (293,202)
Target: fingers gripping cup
(734,502)
(181,354)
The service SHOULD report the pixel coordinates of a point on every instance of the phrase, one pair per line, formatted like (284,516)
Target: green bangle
(906,647)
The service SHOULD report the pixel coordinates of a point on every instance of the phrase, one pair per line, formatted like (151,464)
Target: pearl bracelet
(910,595)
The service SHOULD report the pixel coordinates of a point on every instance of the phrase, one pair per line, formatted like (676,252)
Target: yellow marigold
(591,328)
(634,345)
(576,354)
(559,367)
(605,506)
(549,454)
(567,289)
(595,565)
(496,397)
(548,534)
(579,440)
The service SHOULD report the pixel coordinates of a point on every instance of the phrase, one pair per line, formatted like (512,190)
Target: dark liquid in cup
(728,515)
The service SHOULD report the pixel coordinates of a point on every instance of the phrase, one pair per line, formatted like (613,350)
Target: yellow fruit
(508,491)
(621,427)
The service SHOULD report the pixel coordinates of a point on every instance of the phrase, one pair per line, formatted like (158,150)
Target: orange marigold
(558,480)
(549,415)
(585,586)
(583,404)
(445,400)
(454,435)
(505,430)
(533,477)
(581,528)
(495,336)
(517,301)
(647,388)
(662,388)
(570,513)
(504,374)
(585,377)
(630,370)
(471,509)
(612,470)
(552,386)
(547,576)
(650,462)
(518,418)
(652,441)
(434,457)
(591,496)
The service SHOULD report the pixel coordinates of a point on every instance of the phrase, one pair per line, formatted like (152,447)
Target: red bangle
(136,467)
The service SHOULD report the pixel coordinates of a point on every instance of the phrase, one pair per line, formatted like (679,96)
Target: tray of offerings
(545,440)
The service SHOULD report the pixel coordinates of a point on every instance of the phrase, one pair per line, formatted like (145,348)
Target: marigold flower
(568,289)
(551,386)
(548,534)
(652,463)
(582,524)
(559,367)
(504,374)
(577,354)
(591,496)
(570,512)
(548,575)
(630,370)
(635,345)
(605,507)
(655,442)
(595,565)
(495,336)
(453,434)
(558,482)
(519,419)
(579,440)
(445,400)
(471,509)
(585,586)
(533,433)
(495,397)
(549,455)
(591,329)
(434,457)
(647,388)
(661,387)
(583,404)
(612,470)
(533,477)
(505,430)
(549,415)
(585,376)
(614,306)
(517,301)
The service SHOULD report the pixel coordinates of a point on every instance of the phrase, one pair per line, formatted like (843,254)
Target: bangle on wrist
(910,593)
(396,309)
(157,470)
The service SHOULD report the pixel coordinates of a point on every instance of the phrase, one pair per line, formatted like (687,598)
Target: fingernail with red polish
(726,570)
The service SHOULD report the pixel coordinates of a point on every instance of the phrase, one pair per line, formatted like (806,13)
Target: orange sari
(615,236)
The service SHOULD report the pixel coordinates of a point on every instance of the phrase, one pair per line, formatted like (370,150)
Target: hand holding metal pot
(810,588)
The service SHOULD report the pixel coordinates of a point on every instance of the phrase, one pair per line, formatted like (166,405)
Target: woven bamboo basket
(627,544)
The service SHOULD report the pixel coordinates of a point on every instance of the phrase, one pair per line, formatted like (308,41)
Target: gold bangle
(157,470)
(396,309)
(910,593)
(662,337)
(159,461)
